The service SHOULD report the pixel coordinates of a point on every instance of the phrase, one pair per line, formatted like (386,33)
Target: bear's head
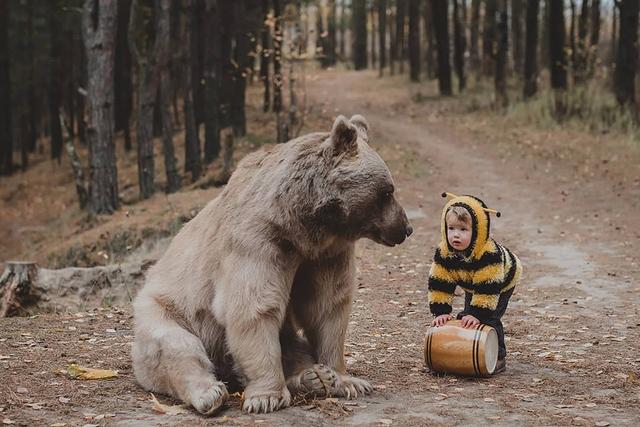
(358,199)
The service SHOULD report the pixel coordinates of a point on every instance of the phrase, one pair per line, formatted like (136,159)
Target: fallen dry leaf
(80,372)
(7,421)
(166,409)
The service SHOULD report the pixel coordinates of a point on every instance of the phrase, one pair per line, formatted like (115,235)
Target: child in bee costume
(467,257)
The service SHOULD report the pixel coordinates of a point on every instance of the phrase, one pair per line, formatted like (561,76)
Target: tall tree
(441,19)
(6,139)
(474,53)
(429,30)
(544,36)
(382,33)
(401,8)
(359,19)
(393,41)
(265,55)
(627,53)
(502,39)
(193,162)
(331,34)
(516,30)
(163,35)
(374,58)
(459,43)
(212,63)
(414,40)
(145,46)
(531,50)
(595,35)
(580,65)
(123,89)
(557,59)
(33,107)
(277,57)
(99,27)
(488,37)
(55,81)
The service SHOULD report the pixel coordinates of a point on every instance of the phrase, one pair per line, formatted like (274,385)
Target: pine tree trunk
(502,39)
(488,38)
(76,166)
(197,43)
(211,68)
(474,52)
(6,138)
(163,55)
(55,80)
(372,19)
(441,20)
(144,54)
(33,110)
(343,30)
(572,33)
(382,34)
(531,50)
(277,57)
(99,26)
(516,30)
(242,32)
(595,36)
(401,9)
(459,44)
(627,54)
(580,66)
(393,41)
(359,18)
(331,34)
(544,36)
(557,59)
(193,162)
(429,29)
(123,86)
(414,40)
(266,53)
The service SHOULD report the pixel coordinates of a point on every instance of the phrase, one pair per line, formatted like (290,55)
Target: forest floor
(569,200)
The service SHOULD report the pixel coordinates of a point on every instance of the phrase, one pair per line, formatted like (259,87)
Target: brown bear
(258,286)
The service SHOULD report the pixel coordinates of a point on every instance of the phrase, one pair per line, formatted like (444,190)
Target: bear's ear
(360,121)
(344,135)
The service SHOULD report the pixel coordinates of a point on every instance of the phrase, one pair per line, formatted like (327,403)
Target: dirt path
(573,326)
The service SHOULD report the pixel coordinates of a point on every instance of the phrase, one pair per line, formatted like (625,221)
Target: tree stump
(16,287)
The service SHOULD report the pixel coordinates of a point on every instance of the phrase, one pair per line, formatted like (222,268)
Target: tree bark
(277,57)
(557,59)
(16,288)
(460,44)
(488,38)
(144,50)
(572,33)
(382,34)
(123,85)
(429,29)
(516,30)
(414,40)
(331,34)
(76,166)
(474,52)
(595,36)
(627,54)
(212,75)
(372,19)
(6,138)
(359,18)
(163,55)
(99,25)
(193,162)
(440,17)
(33,110)
(266,53)
(531,50)
(580,65)
(401,8)
(502,34)
(55,81)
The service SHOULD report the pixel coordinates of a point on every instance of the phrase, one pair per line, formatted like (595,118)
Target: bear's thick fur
(258,286)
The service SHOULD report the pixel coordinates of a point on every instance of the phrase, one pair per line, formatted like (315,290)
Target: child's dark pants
(495,320)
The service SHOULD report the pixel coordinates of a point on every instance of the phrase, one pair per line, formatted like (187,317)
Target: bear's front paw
(260,401)
(351,387)
(319,380)
(208,396)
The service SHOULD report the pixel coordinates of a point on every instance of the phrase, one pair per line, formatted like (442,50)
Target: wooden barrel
(456,350)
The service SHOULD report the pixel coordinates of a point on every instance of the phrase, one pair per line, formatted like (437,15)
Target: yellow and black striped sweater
(486,269)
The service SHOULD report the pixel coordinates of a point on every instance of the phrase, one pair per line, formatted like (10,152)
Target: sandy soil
(569,202)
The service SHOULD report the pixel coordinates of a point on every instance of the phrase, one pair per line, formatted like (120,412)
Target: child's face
(458,232)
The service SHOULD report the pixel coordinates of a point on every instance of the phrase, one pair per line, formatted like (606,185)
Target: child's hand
(441,320)
(469,321)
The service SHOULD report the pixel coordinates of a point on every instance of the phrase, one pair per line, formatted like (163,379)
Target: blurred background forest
(76,75)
